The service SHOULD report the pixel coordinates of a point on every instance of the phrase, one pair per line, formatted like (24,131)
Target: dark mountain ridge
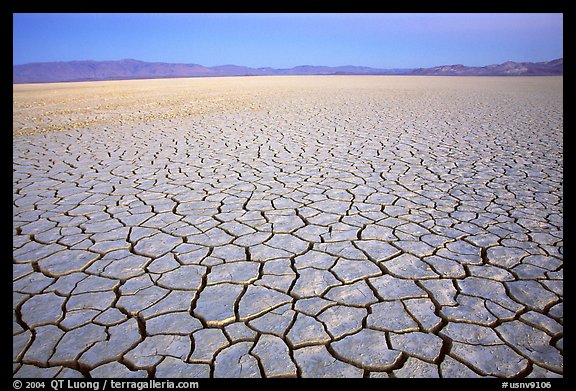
(67,71)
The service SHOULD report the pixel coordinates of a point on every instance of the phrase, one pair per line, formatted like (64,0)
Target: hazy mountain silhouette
(509,68)
(64,71)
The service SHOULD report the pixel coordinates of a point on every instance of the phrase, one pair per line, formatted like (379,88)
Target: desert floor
(325,226)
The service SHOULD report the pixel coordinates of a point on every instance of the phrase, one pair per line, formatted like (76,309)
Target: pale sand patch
(41,108)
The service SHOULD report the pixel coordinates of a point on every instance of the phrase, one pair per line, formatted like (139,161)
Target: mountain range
(67,71)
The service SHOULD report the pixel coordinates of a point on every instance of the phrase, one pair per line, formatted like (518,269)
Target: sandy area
(39,108)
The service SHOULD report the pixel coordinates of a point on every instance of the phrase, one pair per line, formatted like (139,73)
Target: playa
(293,226)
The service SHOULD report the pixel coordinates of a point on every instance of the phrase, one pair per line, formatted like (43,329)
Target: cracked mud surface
(282,227)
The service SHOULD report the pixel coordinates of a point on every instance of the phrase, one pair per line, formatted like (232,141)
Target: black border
(299,6)
(293,6)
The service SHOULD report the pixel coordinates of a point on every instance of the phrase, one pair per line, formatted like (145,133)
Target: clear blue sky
(287,40)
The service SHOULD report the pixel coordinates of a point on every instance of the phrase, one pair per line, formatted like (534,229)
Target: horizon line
(281,68)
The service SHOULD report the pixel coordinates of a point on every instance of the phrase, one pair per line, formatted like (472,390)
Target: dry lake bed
(324,226)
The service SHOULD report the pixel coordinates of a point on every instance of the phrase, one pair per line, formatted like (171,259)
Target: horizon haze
(130,69)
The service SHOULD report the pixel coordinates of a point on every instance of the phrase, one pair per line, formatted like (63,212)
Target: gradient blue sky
(287,40)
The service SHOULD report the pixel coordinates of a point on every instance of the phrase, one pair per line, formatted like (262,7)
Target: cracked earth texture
(289,227)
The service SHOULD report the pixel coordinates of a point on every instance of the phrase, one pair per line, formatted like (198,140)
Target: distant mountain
(47,72)
(509,68)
